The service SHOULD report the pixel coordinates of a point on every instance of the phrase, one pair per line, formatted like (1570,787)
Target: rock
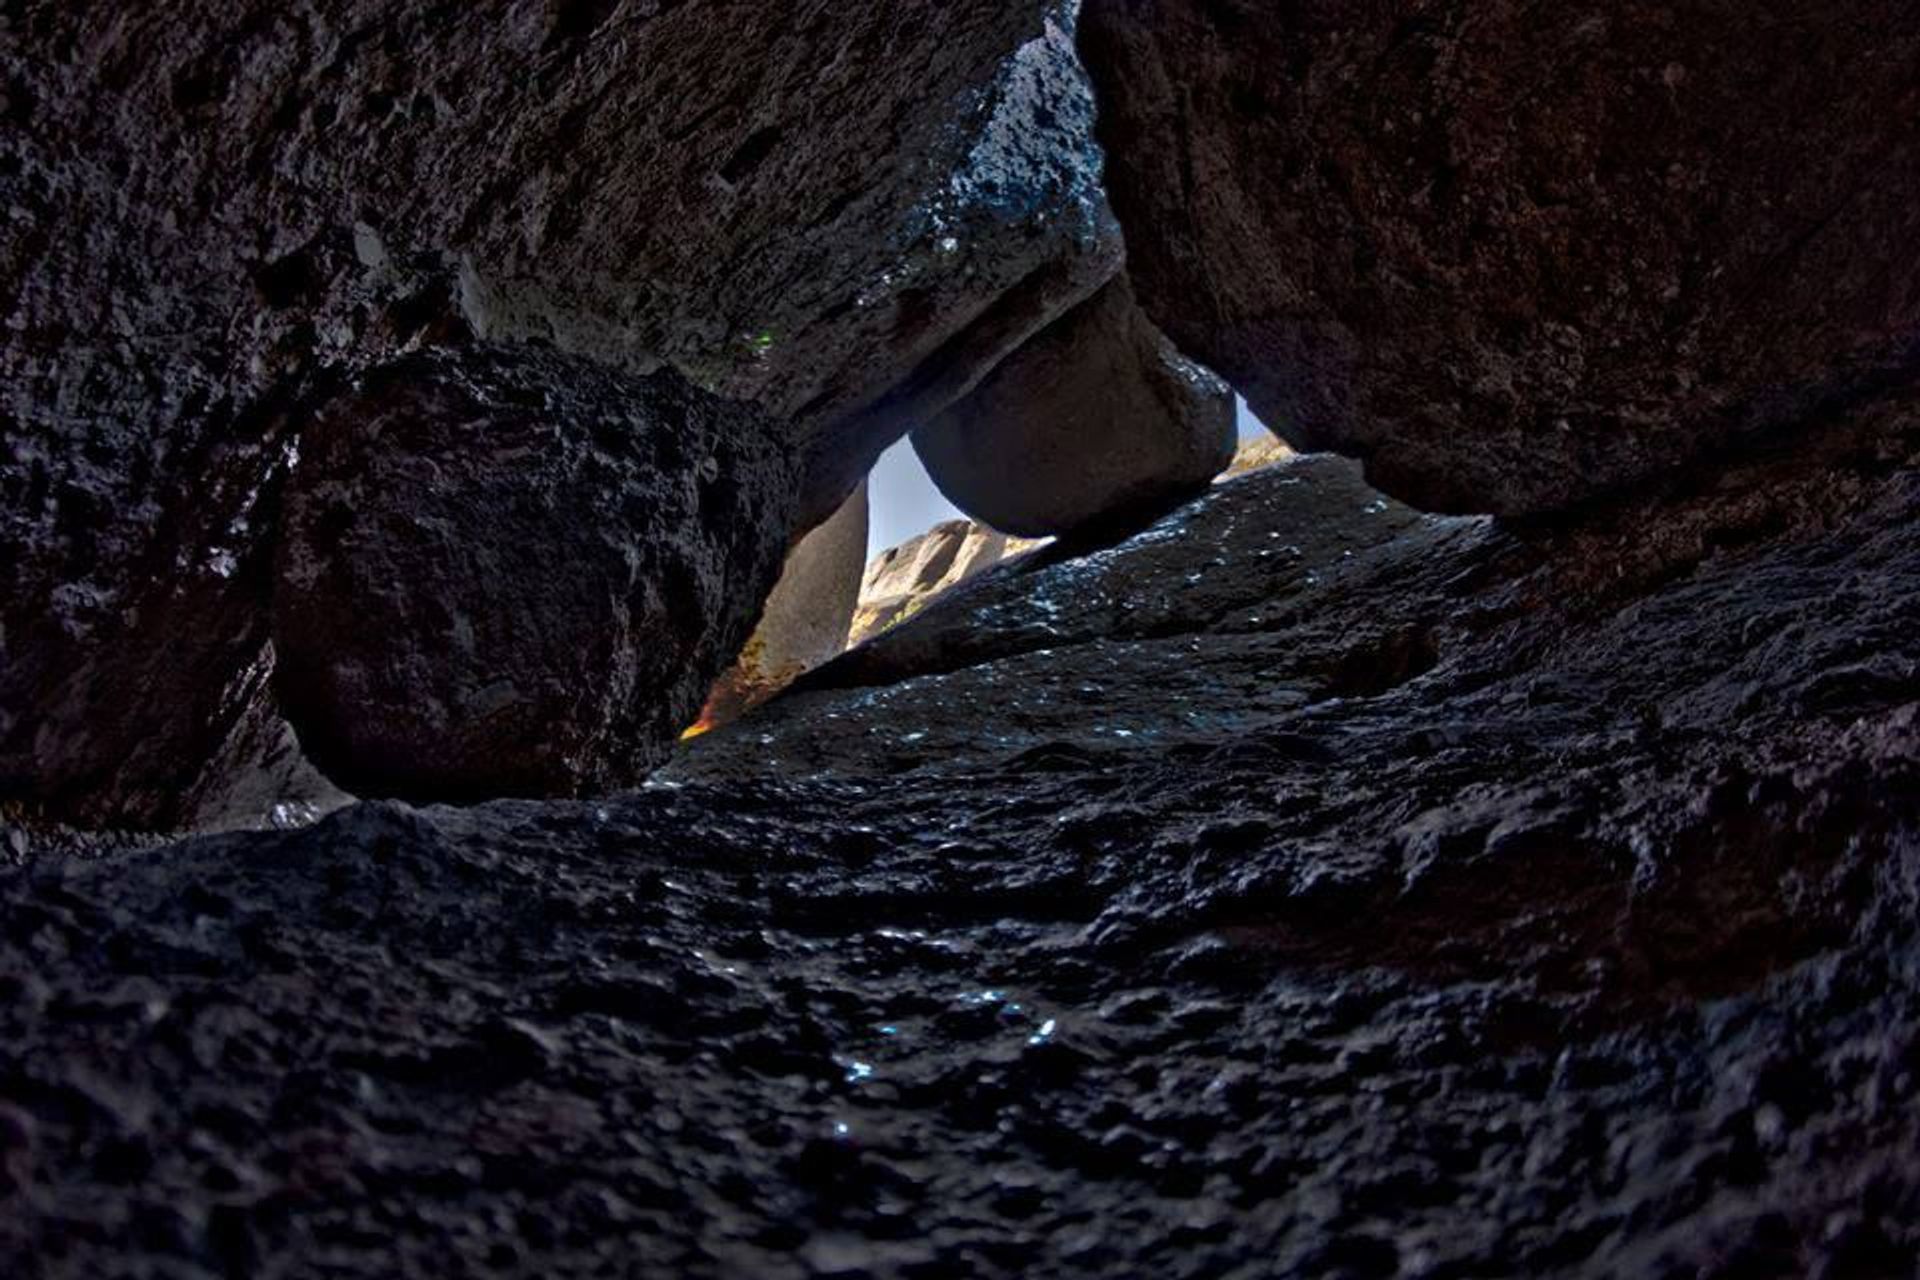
(1260,452)
(508,572)
(1246,548)
(903,580)
(806,619)
(1499,900)
(844,214)
(1097,420)
(1516,256)
(260,778)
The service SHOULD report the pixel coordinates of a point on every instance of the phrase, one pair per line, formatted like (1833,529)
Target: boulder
(507,572)
(1097,420)
(905,579)
(1513,255)
(805,620)
(219,208)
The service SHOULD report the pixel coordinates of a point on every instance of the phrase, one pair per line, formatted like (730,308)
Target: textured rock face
(1098,419)
(504,572)
(1481,902)
(1515,254)
(806,619)
(842,213)
(1259,452)
(903,579)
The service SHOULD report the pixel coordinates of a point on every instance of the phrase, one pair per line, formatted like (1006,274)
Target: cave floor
(1303,886)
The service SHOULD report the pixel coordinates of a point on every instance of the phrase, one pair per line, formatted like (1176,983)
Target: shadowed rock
(1097,420)
(1512,254)
(842,213)
(1488,902)
(504,572)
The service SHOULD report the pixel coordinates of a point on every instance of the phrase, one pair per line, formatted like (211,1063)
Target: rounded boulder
(515,572)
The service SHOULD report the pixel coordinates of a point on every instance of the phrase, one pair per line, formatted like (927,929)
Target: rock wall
(1514,255)
(222,213)
(1407,895)
(507,572)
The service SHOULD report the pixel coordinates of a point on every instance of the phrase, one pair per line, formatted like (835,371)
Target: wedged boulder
(903,580)
(1097,420)
(843,213)
(507,572)
(1513,255)
(805,621)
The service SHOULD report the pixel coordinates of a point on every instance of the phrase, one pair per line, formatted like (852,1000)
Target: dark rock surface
(1097,420)
(1484,901)
(1514,254)
(218,207)
(506,572)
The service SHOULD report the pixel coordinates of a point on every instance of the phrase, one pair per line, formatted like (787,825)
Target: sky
(905,503)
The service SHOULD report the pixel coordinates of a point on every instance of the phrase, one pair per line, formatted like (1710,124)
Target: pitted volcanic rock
(1486,901)
(1514,255)
(219,208)
(504,572)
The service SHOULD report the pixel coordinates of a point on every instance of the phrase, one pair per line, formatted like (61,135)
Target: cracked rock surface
(1488,900)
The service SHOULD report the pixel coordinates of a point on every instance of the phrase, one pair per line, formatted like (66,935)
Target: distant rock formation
(1261,451)
(904,580)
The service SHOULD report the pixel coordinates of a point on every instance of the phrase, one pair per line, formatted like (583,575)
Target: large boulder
(844,213)
(1096,420)
(1514,254)
(506,572)
(805,621)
